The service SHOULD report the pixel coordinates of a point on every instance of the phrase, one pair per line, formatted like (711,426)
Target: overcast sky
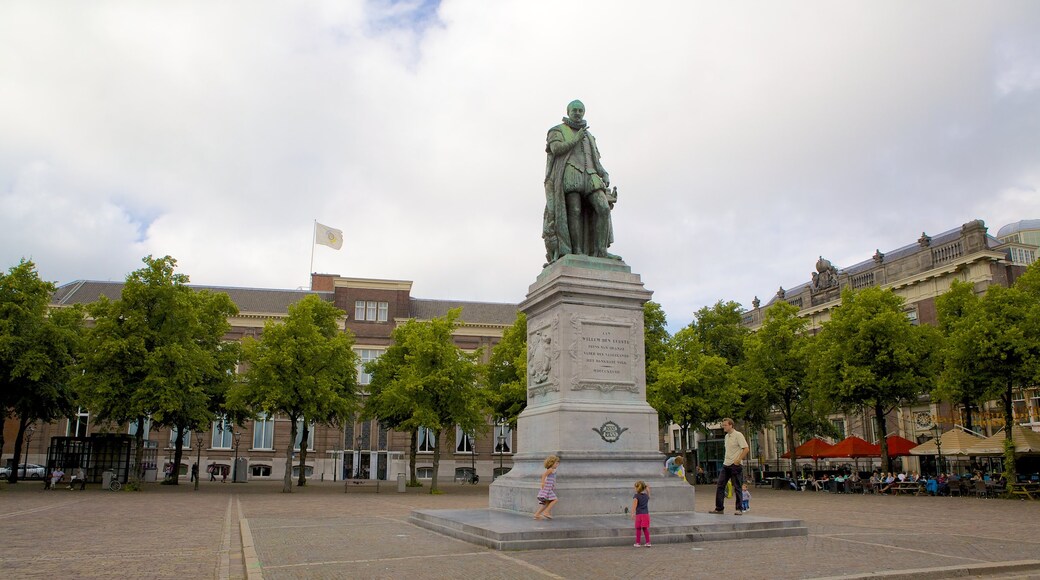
(745,138)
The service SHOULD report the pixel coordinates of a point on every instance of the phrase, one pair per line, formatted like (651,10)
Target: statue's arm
(558,144)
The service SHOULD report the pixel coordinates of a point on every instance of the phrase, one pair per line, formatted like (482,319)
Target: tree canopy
(871,355)
(38,350)
(304,368)
(424,380)
(507,372)
(158,353)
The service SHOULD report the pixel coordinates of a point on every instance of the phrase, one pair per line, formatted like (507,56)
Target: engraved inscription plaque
(606,353)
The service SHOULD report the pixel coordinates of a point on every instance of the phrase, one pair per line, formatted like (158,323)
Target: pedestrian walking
(194,472)
(547,493)
(745,495)
(641,512)
(732,470)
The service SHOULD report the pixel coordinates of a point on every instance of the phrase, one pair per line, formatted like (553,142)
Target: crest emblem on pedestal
(610,431)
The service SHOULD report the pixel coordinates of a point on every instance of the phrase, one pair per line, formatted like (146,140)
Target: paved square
(253,530)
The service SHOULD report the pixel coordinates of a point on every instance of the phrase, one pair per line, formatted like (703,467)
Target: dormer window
(371,311)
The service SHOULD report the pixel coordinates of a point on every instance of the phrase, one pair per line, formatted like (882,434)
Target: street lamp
(234,470)
(472,458)
(938,447)
(198,459)
(357,447)
(25,463)
(501,449)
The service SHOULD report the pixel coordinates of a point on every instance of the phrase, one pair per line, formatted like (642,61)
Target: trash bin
(401,485)
(106,478)
(241,470)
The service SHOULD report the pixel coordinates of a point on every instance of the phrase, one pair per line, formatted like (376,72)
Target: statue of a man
(577,198)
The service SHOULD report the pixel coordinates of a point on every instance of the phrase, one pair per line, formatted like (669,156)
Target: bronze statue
(578,198)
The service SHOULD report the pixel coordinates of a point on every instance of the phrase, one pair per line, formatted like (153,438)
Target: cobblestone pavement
(320,532)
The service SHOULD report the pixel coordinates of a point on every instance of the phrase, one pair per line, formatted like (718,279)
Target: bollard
(400,483)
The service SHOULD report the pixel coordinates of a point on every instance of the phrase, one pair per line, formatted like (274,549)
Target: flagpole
(314,233)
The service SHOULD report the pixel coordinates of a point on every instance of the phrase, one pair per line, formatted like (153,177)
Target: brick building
(361,449)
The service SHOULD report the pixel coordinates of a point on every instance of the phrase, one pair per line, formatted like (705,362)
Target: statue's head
(576,110)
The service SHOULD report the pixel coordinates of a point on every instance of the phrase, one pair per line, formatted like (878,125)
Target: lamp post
(357,447)
(234,470)
(198,459)
(25,462)
(472,458)
(938,447)
(501,449)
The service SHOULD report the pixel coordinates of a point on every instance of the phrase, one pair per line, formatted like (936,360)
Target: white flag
(327,236)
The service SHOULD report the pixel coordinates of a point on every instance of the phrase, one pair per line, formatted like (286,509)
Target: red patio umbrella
(897,446)
(813,448)
(853,447)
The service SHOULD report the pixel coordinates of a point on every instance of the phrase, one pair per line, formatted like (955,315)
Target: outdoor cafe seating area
(965,465)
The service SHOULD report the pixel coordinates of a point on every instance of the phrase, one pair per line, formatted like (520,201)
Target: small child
(674,466)
(641,512)
(745,499)
(547,494)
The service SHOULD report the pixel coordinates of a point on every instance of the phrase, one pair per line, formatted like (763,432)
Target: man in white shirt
(732,470)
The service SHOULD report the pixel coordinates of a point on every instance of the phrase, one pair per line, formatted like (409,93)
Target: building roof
(1018,227)
(472,312)
(258,300)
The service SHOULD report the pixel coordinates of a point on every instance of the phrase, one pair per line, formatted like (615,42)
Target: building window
(260,470)
(132,429)
(424,473)
(185,439)
(756,450)
(223,432)
(911,315)
(309,470)
(427,440)
(463,443)
(839,428)
(299,436)
(263,432)
(79,424)
(371,311)
(503,438)
(366,355)
(676,439)
(780,447)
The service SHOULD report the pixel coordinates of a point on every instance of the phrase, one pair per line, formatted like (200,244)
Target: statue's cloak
(555,231)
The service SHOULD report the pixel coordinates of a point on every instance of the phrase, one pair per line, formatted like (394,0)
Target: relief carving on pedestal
(541,355)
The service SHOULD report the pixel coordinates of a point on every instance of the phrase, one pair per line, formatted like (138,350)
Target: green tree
(38,349)
(958,381)
(721,330)
(776,370)
(304,368)
(507,372)
(436,384)
(871,355)
(693,388)
(158,353)
(655,349)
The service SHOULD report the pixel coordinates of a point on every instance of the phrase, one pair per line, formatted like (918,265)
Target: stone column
(586,396)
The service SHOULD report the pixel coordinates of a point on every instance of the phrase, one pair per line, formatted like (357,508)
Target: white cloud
(746,139)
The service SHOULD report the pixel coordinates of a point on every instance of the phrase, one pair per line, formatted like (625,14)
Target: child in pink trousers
(641,512)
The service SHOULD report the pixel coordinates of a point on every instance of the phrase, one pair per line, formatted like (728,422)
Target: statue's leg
(601,221)
(574,223)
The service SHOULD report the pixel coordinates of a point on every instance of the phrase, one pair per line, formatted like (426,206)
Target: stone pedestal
(586,399)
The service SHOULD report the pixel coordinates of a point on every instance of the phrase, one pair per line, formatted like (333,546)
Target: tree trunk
(436,460)
(789,433)
(138,472)
(178,452)
(287,479)
(17,459)
(3,419)
(1009,442)
(414,436)
(304,437)
(879,414)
